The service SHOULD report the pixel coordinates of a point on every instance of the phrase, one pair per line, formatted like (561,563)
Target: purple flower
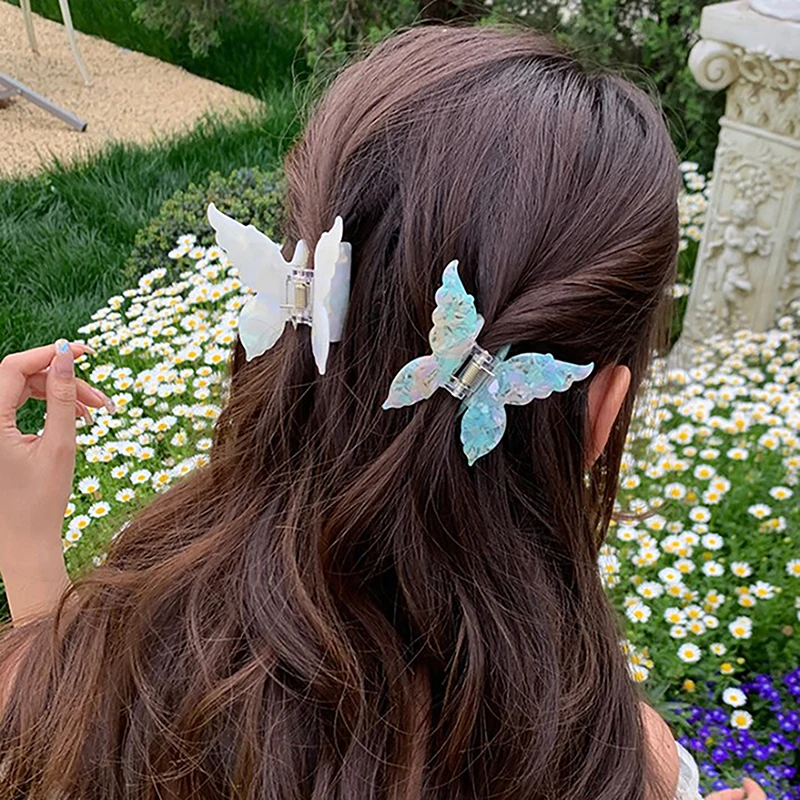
(765,752)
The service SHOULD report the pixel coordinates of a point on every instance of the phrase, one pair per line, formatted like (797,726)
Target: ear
(607,393)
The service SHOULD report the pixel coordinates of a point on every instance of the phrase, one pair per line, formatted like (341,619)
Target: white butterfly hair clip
(287,291)
(485,383)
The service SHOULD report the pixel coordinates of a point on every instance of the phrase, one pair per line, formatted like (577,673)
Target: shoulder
(662,751)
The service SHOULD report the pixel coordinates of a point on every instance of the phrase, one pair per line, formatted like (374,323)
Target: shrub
(252,196)
(649,41)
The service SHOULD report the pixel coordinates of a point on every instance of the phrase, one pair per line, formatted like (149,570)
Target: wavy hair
(337,607)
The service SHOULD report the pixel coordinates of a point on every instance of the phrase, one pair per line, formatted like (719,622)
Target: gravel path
(133,97)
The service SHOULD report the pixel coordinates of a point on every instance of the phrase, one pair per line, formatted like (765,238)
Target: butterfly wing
(259,327)
(483,424)
(331,292)
(456,325)
(456,322)
(262,268)
(259,260)
(516,382)
(532,376)
(416,381)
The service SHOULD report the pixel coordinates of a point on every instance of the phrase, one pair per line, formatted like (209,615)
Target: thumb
(727,794)
(754,791)
(59,425)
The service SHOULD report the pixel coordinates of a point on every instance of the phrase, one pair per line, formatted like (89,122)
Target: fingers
(754,791)
(751,791)
(15,370)
(88,395)
(59,424)
(727,794)
(83,411)
(38,358)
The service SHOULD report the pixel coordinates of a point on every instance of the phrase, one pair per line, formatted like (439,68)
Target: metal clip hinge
(299,288)
(465,381)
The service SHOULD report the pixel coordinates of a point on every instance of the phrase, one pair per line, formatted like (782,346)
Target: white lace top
(688,776)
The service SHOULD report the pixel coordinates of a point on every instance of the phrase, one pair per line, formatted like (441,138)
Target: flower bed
(707,571)
(728,747)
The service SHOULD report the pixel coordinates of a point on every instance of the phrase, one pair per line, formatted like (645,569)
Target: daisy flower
(704,472)
(759,510)
(638,612)
(79,523)
(712,541)
(125,495)
(674,615)
(741,628)
(98,510)
(741,569)
(734,697)
(699,514)
(140,476)
(689,653)
(89,485)
(713,569)
(763,590)
(741,719)
(675,491)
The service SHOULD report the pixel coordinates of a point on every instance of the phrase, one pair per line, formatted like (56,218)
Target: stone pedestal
(748,266)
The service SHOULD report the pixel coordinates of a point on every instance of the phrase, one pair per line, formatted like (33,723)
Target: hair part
(338,606)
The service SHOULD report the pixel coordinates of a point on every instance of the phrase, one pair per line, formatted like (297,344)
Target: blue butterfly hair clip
(485,383)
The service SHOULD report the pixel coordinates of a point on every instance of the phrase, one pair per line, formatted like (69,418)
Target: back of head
(338,606)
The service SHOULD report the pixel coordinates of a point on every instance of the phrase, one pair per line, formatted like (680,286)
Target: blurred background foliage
(277,41)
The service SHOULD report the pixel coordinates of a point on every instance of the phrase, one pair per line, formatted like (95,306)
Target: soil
(132,97)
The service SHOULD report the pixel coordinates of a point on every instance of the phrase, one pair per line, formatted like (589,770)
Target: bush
(252,196)
(196,20)
(649,42)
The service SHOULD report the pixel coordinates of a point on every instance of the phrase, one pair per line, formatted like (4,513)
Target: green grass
(65,234)
(267,50)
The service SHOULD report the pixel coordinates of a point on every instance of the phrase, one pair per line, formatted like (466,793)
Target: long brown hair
(338,606)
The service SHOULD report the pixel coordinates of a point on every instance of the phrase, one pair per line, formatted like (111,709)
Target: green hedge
(250,195)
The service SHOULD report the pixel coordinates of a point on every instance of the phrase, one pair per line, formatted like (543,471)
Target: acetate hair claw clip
(287,291)
(485,383)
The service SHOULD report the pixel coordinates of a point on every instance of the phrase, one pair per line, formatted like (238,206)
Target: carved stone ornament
(748,265)
(781,9)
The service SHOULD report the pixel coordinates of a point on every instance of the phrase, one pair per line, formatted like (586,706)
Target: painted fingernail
(103,400)
(63,363)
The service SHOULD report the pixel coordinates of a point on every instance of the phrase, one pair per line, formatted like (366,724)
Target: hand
(750,791)
(36,472)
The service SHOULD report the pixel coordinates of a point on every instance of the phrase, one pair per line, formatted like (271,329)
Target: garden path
(133,97)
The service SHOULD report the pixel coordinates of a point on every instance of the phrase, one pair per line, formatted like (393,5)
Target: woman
(340,605)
